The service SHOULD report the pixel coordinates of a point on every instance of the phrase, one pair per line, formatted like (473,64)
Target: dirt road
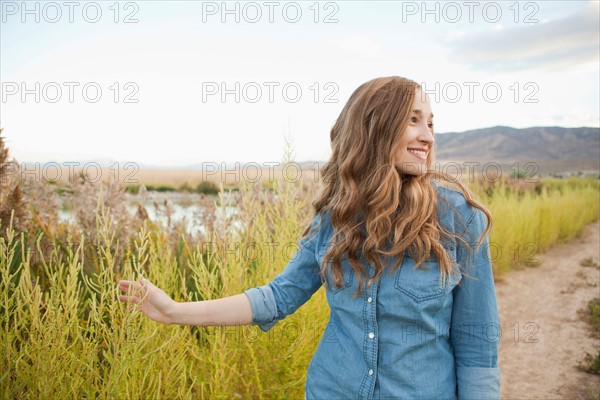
(543,336)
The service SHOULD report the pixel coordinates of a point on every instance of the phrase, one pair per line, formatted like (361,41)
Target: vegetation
(594,307)
(591,362)
(12,203)
(209,188)
(64,334)
(529,218)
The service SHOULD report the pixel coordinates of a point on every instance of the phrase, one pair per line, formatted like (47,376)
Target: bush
(133,189)
(185,187)
(60,190)
(207,188)
(591,363)
(160,188)
(594,307)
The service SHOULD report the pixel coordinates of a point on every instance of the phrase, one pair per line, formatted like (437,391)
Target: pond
(184,205)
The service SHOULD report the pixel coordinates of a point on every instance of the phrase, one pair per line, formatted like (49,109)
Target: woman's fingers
(136,290)
(145,283)
(126,285)
(132,288)
(129,299)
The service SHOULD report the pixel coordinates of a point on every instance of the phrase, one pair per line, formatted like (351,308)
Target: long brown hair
(376,209)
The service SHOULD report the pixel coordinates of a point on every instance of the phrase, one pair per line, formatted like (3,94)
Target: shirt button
(371,335)
(370,299)
(370,372)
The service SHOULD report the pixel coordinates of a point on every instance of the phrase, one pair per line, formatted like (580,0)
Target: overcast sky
(178,83)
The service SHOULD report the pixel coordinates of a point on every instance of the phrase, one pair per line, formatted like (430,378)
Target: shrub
(133,188)
(207,188)
(186,188)
(594,307)
(160,188)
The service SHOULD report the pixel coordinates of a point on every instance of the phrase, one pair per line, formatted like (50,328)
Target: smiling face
(418,139)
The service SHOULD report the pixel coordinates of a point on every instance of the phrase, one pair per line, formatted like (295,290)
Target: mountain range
(553,149)
(503,143)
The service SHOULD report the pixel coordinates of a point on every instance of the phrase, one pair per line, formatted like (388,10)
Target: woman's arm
(158,306)
(263,305)
(475,327)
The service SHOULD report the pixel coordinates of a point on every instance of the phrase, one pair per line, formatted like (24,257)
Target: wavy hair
(375,209)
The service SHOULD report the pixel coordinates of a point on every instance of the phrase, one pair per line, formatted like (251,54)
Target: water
(184,205)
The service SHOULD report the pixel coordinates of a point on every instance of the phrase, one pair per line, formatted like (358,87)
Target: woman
(405,262)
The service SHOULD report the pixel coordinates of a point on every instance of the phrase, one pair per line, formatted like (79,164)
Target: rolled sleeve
(291,288)
(475,327)
(476,383)
(264,307)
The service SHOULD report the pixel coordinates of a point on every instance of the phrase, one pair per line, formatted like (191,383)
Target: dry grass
(12,203)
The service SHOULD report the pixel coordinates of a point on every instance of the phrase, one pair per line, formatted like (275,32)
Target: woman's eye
(430,125)
(413,119)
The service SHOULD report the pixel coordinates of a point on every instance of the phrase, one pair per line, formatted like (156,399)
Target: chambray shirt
(407,336)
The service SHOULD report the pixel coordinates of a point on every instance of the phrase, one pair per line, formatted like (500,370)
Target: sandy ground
(543,336)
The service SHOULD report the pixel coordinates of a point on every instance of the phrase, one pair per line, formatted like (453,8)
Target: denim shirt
(405,337)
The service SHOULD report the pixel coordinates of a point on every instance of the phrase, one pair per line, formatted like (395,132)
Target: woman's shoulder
(451,199)
(320,224)
(450,194)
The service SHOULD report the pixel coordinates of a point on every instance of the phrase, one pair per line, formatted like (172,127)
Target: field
(65,335)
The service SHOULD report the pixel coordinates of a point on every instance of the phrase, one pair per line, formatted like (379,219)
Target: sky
(188,82)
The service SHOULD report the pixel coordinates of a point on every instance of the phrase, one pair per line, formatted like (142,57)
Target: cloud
(564,42)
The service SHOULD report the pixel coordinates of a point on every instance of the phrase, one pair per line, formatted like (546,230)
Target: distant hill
(553,148)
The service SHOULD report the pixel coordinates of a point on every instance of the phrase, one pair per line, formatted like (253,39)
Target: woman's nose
(426,136)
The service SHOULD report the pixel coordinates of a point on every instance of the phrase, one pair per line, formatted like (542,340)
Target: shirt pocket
(423,286)
(347,271)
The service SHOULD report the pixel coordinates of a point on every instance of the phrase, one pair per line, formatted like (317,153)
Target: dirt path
(543,336)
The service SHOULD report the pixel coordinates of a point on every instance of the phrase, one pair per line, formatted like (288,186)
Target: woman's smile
(420,154)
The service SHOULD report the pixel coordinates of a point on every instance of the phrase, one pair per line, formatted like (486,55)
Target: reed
(12,203)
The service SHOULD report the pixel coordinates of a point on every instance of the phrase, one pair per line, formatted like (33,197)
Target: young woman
(404,260)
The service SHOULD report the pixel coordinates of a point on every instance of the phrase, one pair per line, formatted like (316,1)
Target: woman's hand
(153,302)
(158,306)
